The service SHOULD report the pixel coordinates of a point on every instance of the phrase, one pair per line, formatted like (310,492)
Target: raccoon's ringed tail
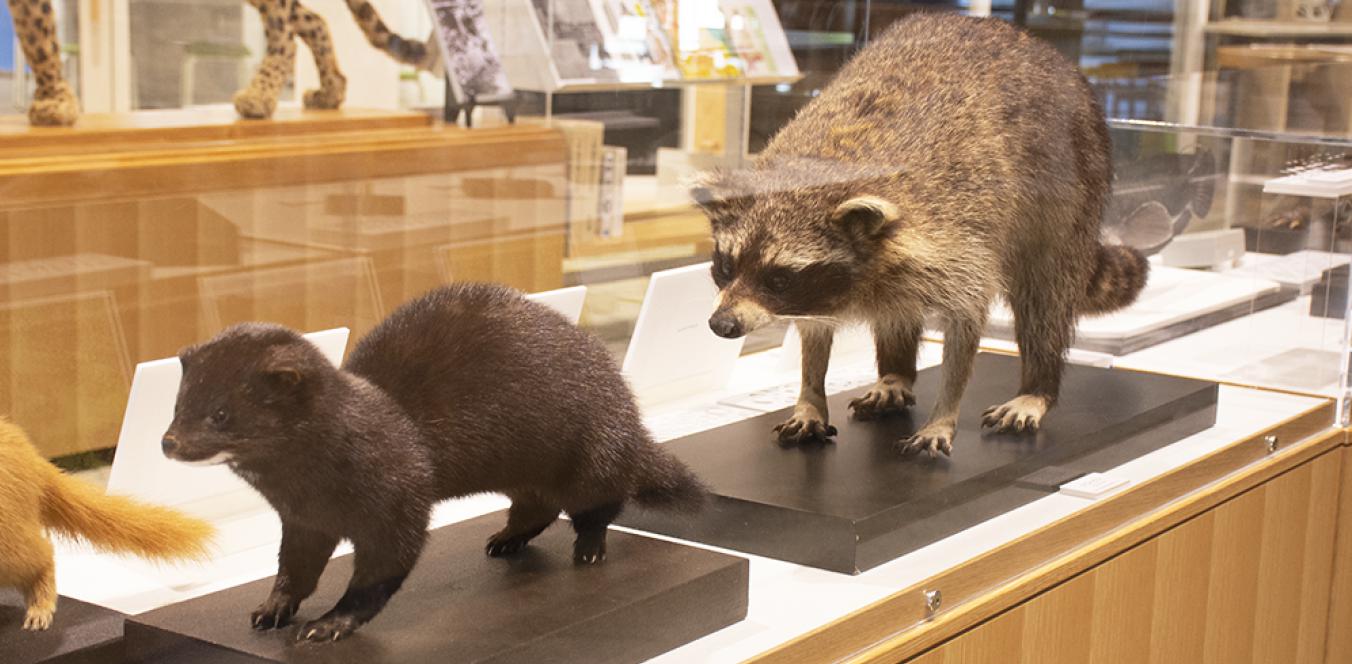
(1119,276)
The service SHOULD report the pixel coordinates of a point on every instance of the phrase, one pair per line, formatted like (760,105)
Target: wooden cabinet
(1248,581)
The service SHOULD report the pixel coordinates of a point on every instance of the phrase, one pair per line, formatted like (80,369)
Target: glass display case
(627,163)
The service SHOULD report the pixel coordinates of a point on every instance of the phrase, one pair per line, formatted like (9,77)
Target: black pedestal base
(648,597)
(81,633)
(858,503)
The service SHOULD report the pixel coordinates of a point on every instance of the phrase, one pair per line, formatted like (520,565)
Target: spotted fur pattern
(283,21)
(952,161)
(54,103)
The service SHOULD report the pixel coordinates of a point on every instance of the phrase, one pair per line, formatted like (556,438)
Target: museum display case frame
(910,607)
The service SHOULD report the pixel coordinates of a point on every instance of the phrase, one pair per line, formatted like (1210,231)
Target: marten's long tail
(405,51)
(670,485)
(1119,275)
(75,508)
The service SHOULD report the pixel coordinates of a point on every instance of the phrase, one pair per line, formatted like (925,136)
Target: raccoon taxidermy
(36,496)
(468,389)
(953,160)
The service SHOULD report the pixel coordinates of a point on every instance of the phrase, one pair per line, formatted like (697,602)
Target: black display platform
(1329,298)
(81,633)
(858,503)
(459,605)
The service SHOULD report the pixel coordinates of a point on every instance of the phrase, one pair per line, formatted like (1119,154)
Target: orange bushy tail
(75,508)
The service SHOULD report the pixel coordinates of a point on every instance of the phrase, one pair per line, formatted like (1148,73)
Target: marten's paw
(589,552)
(273,613)
(1022,414)
(328,628)
(931,439)
(806,426)
(37,619)
(889,395)
(505,543)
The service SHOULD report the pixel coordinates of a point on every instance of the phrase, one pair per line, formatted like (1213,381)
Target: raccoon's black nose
(726,327)
(168,445)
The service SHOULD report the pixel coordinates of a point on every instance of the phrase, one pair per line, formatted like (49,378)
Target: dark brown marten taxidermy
(953,160)
(465,390)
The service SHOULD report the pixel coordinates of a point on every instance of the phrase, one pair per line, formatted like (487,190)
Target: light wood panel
(1339,641)
(1243,583)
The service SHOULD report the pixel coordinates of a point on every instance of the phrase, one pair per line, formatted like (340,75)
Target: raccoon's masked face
(234,405)
(766,271)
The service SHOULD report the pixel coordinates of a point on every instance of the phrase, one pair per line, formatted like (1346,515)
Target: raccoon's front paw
(275,612)
(331,627)
(932,438)
(806,425)
(1022,414)
(37,619)
(891,394)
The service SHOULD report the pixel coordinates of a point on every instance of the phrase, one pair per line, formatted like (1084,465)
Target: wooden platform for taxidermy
(460,606)
(99,130)
(81,633)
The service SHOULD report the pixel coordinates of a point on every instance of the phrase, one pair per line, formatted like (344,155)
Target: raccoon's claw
(1022,414)
(932,440)
(272,614)
(328,628)
(37,620)
(890,395)
(798,430)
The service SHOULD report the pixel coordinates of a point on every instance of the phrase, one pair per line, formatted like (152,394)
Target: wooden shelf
(197,125)
(1277,29)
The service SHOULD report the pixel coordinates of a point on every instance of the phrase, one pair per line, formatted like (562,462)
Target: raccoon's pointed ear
(718,194)
(866,216)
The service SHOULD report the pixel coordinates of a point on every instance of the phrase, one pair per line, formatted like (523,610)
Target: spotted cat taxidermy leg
(332,84)
(259,99)
(54,102)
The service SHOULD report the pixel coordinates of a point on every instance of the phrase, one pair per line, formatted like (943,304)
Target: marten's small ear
(284,377)
(866,216)
(185,356)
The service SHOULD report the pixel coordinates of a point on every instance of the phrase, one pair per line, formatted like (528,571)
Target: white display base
(1282,347)
(1298,271)
(567,301)
(1175,302)
(673,353)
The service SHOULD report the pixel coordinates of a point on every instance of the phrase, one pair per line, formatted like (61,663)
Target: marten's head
(789,245)
(243,394)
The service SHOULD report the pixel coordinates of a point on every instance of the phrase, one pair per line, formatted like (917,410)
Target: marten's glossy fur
(35,495)
(467,389)
(953,160)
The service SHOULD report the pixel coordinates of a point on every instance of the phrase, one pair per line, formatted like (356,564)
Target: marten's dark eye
(218,418)
(777,282)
